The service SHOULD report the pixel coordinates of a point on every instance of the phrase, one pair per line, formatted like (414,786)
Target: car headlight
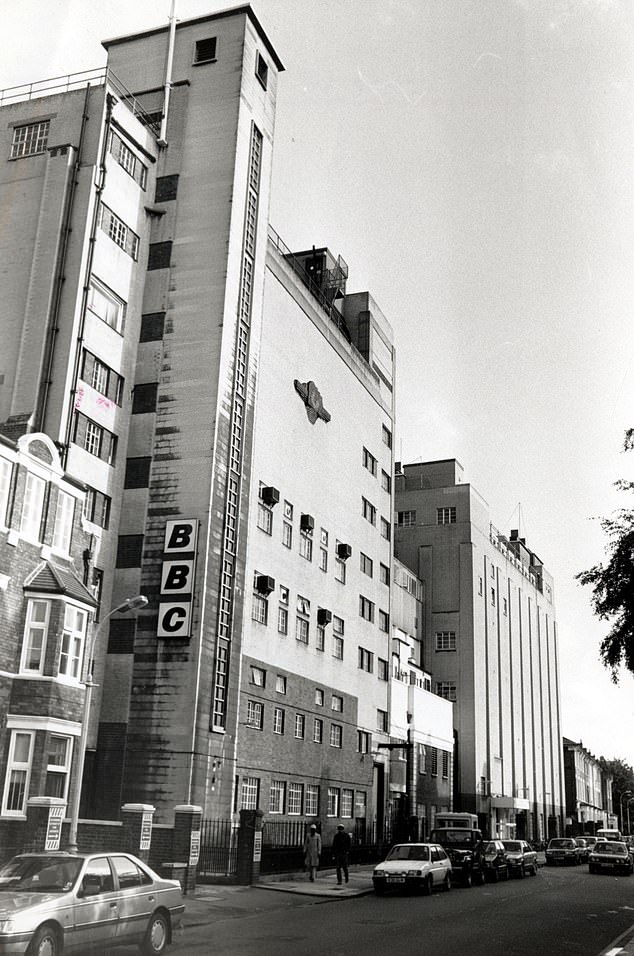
(379,873)
(414,872)
(7,925)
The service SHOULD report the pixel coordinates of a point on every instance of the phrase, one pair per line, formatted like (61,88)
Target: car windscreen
(40,874)
(408,852)
(560,843)
(453,837)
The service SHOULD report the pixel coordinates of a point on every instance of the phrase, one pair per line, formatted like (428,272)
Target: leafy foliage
(613,584)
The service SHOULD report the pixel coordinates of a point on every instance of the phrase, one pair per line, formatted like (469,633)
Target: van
(456,821)
(608,834)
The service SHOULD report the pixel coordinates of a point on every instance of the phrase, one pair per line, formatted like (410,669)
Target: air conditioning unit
(264,584)
(307,523)
(344,551)
(324,616)
(270,495)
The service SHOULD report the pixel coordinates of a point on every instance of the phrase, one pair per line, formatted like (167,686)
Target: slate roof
(52,579)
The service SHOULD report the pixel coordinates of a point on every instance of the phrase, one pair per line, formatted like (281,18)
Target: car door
(96,911)
(436,866)
(137,898)
(442,863)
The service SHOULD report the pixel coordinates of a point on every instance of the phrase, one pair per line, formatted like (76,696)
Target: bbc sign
(178,573)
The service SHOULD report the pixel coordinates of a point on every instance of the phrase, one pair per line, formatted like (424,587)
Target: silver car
(54,903)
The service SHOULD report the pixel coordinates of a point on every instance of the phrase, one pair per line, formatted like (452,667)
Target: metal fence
(218,850)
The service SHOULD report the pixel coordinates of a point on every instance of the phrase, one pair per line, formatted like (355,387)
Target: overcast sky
(473,162)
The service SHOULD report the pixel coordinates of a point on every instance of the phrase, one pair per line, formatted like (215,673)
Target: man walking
(312,851)
(341,849)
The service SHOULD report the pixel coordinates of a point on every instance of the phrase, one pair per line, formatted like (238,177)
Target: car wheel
(46,942)
(427,886)
(447,882)
(506,872)
(156,936)
(521,871)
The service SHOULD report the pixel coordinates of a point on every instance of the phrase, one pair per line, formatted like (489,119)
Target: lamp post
(130,604)
(625,793)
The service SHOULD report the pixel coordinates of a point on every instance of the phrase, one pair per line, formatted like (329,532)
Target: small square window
(205,50)
(258,677)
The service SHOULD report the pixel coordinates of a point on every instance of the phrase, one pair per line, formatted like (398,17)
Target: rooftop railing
(77,81)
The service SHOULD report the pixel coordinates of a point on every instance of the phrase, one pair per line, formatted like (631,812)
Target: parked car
(521,857)
(413,866)
(463,846)
(54,903)
(583,849)
(590,840)
(610,855)
(494,861)
(562,850)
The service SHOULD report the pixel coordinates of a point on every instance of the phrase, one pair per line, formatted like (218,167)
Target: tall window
(58,767)
(337,648)
(347,800)
(250,793)
(384,621)
(382,721)
(259,608)
(35,632)
(306,546)
(73,636)
(366,608)
(295,794)
(30,139)
(336,703)
(278,720)
(31,519)
(368,510)
(6,471)
(318,730)
(63,522)
(277,796)
(336,736)
(340,570)
(364,742)
(311,807)
(106,305)
(366,660)
(97,507)
(101,377)
(255,714)
(265,518)
(300,726)
(16,787)
(333,802)
(369,461)
(365,564)
(386,529)
(386,436)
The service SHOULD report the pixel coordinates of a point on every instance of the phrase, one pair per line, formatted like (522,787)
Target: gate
(218,851)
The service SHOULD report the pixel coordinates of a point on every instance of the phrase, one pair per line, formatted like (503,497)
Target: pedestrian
(341,850)
(312,851)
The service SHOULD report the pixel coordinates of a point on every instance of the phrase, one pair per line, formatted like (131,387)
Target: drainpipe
(167,86)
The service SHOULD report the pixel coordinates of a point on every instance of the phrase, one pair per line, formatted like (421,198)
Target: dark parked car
(494,861)
(612,856)
(464,849)
(54,903)
(562,850)
(521,857)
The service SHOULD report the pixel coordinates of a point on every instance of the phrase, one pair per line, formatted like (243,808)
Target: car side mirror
(91,886)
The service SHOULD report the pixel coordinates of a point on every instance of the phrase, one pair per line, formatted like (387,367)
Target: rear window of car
(129,873)
(513,845)
(561,843)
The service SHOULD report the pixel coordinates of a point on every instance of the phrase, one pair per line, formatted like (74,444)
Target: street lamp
(130,604)
(625,793)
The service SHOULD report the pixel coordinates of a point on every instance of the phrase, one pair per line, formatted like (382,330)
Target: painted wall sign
(54,827)
(146,832)
(194,847)
(178,573)
(257,846)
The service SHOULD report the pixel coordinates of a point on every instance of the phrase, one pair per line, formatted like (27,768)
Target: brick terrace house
(46,606)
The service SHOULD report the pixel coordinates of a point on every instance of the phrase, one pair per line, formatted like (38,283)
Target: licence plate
(396,879)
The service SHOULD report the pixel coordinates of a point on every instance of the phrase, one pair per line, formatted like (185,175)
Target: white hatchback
(413,866)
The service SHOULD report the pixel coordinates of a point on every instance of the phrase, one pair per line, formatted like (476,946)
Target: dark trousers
(341,862)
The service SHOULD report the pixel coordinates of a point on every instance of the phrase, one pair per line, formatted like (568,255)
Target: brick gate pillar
(186,841)
(137,829)
(249,846)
